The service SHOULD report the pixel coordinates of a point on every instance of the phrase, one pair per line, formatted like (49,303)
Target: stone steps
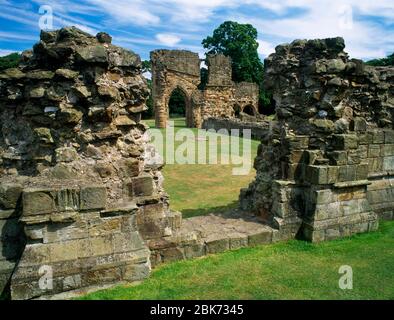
(214,233)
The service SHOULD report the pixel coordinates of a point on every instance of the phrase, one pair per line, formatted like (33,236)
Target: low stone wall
(258,129)
(325,168)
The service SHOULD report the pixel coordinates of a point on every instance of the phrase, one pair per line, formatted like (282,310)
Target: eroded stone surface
(324,168)
(81,187)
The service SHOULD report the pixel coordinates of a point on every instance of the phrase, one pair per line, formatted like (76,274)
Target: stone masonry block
(93,197)
(345,141)
(388,136)
(321,174)
(377,136)
(347,173)
(37,202)
(9,195)
(338,158)
(142,185)
(362,171)
(374,150)
(388,163)
(387,150)
(317,174)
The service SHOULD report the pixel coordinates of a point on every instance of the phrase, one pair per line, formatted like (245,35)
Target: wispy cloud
(168,40)
(146,25)
(5,52)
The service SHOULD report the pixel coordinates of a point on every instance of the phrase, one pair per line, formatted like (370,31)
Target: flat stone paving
(230,230)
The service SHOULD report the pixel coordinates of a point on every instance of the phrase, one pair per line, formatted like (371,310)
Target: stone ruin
(81,196)
(325,168)
(221,97)
(80,185)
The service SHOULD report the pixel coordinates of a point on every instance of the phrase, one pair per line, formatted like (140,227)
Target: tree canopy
(389,61)
(239,41)
(9,61)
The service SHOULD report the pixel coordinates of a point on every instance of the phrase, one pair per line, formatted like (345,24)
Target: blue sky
(367,26)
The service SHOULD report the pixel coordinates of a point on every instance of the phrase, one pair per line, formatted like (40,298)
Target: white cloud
(127,12)
(265,48)
(5,52)
(169,40)
(329,18)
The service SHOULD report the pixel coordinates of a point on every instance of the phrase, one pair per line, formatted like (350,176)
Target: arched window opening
(237,111)
(249,110)
(177,104)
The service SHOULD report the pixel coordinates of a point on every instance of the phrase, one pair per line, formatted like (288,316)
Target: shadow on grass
(189,213)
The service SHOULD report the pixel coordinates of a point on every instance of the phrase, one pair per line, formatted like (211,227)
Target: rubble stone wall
(173,69)
(80,185)
(325,168)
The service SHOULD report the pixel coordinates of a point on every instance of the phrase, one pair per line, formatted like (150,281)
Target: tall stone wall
(325,168)
(80,186)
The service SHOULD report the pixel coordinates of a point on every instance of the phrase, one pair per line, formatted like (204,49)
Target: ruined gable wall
(77,174)
(178,68)
(172,69)
(327,164)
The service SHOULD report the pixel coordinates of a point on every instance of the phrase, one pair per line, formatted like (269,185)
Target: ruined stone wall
(325,168)
(173,69)
(247,94)
(77,174)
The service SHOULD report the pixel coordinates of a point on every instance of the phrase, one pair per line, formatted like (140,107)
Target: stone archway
(172,69)
(187,105)
(249,110)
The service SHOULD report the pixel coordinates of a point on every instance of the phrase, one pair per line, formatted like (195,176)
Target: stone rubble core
(80,185)
(221,98)
(325,168)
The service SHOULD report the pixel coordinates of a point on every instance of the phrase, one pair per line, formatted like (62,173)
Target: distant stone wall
(325,169)
(80,186)
(258,129)
(172,69)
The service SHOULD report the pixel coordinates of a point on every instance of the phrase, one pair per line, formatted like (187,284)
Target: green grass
(292,270)
(198,189)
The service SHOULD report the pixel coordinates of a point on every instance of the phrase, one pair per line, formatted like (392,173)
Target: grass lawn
(199,189)
(292,270)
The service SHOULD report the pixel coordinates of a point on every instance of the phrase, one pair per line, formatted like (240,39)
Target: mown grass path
(198,189)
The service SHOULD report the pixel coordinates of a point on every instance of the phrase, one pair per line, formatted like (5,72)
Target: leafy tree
(239,41)
(10,61)
(146,66)
(177,103)
(389,61)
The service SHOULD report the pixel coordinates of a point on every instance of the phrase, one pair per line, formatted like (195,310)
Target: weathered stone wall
(325,168)
(77,170)
(173,69)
